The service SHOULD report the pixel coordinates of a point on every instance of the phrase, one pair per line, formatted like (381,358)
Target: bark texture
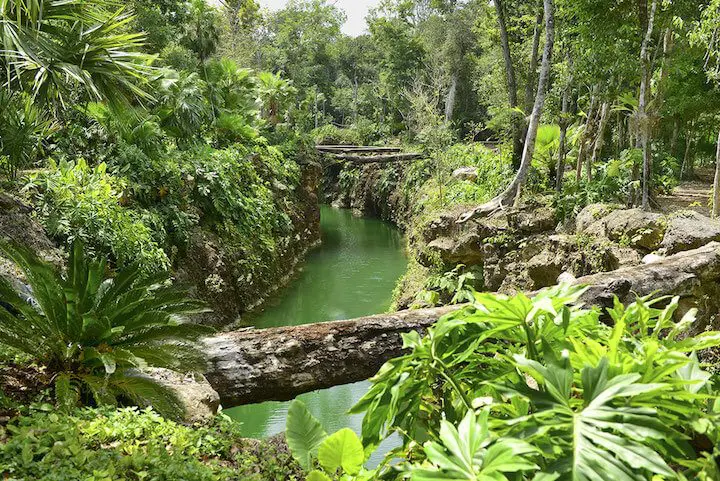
(511,82)
(278,364)
(251,365)
(716,182)
(513,191)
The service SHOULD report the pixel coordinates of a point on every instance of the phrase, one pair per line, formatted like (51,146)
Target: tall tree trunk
(517,124)
(585,138)
(512,193)
(451,96)
(355,99)
(687,170)
(674,137)
(647,20)
(562,148)
(533,61)
(716,182)
(600,139)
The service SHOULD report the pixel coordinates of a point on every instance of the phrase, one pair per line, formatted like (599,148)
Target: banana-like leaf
(304,434)
(470,453)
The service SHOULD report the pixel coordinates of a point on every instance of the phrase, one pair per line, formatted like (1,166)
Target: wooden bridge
(361,154)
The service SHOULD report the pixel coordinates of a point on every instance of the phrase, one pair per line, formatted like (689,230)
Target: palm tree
(23,130)
(183,108)
(96,334)
(274,93)
(53,47)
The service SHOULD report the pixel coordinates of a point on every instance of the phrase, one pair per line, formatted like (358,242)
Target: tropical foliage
(130,444)
(94,334)
(517,388)
(542,386)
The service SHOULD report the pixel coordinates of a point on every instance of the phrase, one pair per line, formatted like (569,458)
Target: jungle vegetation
(128,127)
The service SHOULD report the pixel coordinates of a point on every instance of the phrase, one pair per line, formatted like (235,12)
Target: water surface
(352,274)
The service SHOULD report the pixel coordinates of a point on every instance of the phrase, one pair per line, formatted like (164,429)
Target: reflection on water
(351,275)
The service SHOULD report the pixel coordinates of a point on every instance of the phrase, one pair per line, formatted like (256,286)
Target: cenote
(352,274)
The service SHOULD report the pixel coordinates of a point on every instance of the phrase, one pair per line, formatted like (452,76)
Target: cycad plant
(53,47)
(95,334)
(24,128)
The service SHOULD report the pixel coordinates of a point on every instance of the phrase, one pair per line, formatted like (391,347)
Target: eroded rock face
(633,227)
(280,363)
(533,221)
(198,398)
(18,226)
(592,213)
(215,271)
(689,230)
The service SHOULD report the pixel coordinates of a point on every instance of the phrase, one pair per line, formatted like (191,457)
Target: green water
(352,274)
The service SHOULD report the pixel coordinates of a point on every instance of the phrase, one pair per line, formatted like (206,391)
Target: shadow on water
(352,274)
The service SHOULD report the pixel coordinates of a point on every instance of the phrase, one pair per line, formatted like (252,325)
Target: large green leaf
(605,434)
(316,475)
(303,433)
(470,453)
(342,449)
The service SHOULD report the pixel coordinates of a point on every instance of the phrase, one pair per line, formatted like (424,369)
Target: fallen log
(278,364)
(372,159)
(355,149)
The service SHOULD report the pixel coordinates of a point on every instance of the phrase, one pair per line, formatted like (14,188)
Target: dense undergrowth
(513,388)
(135,445)
(179,152)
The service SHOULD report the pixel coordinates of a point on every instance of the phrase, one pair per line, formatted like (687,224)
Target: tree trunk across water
(251,365)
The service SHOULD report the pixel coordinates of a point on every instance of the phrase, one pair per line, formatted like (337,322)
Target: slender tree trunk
(585,138)
(687,170)
(517,124)
(512,193)
(533,61)
(316,110)
(355,99)
(450,99)
(674,137)
(600,140)
(644,98)
(562,148)
(716,182)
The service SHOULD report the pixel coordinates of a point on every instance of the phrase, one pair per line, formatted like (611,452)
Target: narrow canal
(352,274)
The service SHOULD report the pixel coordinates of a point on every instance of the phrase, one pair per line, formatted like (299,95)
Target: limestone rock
(652,259)
(592,213)
(566,278)
(534,221)
(619,257)
(689,230)
(545,268)
(465,249)
(466,173)
(200,401)
(635,227)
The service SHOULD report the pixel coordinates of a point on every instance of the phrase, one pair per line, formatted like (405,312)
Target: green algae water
(352,274)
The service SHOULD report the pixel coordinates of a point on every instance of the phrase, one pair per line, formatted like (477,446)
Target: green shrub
(332,135)
(571,396)
(132,445)
(94,334)
(439,190)
(451,287)
(75,201)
